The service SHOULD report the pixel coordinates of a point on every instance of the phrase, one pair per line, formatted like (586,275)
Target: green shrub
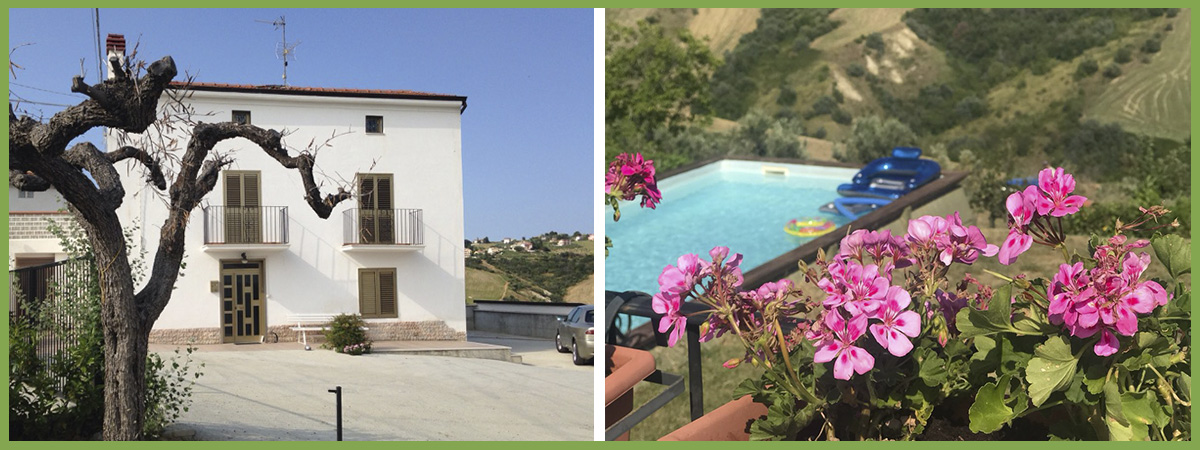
(1112,71)
(62,398)
(1086,68)
(346,334)
(856,70)
(1124,55)
(1151,45)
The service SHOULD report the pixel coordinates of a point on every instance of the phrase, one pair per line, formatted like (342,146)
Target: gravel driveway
(282,395)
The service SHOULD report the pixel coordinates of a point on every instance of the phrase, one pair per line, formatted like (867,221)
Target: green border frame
(599,228)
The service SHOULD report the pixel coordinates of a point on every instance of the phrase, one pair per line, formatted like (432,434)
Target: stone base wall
(184,336)
(432,330)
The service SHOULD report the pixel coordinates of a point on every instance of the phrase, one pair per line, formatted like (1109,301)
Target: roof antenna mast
(283,50)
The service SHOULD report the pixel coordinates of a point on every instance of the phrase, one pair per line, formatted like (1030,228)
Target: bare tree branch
(27,181)
(155,175)
(86,156)
(131,106)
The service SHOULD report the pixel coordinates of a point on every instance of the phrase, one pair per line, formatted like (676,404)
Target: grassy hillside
(1153,98)
(560,274)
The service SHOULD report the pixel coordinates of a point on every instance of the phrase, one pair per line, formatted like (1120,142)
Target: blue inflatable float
(883,180)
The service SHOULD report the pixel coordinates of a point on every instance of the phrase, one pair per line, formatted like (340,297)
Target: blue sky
(527,74)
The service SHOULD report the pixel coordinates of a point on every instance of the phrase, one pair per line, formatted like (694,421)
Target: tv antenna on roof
(283,50)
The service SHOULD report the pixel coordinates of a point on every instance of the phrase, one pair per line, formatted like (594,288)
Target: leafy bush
(1086,68)
(1124,55)
(63,397)
(856,70)
(787,96)
(346,330)
(820,133)
(873,137)
(1152,45)
(874,41)
(168,389)
(842,117)
(1112,71)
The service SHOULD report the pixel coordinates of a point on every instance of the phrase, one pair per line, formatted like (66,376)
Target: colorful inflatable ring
(808,227)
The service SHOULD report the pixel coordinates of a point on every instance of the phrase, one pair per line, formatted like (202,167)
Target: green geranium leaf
(973,322)
(989,412)
(933,369)
(1174,252)
(1184,383)
(1143,408)
(1050,370)
(1093,378)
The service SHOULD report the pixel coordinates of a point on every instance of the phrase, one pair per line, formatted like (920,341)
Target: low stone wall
(433,330)
(185,336)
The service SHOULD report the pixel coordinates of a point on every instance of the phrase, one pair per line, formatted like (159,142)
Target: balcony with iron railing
(383,230)
(245,228)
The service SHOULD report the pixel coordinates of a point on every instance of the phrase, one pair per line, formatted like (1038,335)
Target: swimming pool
(743,205)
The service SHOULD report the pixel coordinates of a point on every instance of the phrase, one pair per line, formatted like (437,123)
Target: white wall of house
(420,145)
(27,222)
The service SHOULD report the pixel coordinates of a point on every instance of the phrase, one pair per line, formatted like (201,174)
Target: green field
(1154,98)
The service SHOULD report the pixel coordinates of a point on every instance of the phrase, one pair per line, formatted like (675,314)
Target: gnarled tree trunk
(39,160)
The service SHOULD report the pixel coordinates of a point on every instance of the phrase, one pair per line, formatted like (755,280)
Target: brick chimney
(115,48)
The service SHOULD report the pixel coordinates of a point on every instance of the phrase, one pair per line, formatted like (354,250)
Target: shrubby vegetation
(764,55)
(62,398)
(555,271)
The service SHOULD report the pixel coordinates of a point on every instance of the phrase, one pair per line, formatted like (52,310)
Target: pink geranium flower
(961,243)
(898,322)
(667,304)
(629,176)
(681,278)
(1022,207)
(840,348)
(860,289)
(1056,187)
(1107,298)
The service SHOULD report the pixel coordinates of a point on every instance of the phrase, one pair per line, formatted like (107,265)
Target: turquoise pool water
(743,205)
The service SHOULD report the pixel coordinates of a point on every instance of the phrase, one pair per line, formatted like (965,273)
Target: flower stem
(800,390)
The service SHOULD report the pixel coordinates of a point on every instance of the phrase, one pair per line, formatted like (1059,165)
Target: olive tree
(89,182)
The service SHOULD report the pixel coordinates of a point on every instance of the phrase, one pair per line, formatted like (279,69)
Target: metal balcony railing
(245,225)
(383,227)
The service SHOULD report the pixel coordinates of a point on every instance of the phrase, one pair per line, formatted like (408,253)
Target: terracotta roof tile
(322,91)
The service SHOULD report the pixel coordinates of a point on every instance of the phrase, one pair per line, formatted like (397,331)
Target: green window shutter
(387,292)
(233,207)
(368,292)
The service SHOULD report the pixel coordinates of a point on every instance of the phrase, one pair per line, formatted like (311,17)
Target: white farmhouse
(257,255)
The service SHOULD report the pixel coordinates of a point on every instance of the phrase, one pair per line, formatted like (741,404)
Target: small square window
(241,117)
(24,194)
(375,124)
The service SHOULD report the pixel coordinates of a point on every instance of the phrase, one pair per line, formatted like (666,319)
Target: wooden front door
(243,212)
(243,309)
(376,221)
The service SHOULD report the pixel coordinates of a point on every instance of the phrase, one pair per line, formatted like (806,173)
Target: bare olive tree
(90,183)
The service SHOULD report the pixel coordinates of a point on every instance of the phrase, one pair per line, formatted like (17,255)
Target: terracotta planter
(624,368)
(726,423)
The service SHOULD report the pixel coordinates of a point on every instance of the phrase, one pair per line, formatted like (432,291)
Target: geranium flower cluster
(752,315)
(629,176)
(855,295)
(1030,212)
(1106,298)
(947,240)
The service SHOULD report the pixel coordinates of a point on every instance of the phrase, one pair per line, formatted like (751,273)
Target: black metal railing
(383,226)
(53,299)
(245,225)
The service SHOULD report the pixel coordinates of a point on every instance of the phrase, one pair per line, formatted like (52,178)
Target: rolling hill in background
(558,274)
(1151,96)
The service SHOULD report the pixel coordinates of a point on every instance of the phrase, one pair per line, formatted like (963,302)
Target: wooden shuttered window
(377,293)
(376,221)
(243,207)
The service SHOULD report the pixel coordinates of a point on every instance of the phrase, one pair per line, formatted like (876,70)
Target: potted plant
(889,348)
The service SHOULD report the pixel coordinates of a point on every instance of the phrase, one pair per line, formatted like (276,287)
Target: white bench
(311,322)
